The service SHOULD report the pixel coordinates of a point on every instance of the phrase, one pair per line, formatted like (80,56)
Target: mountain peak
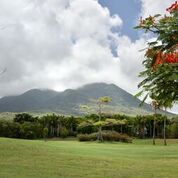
(69,101)
(99,84)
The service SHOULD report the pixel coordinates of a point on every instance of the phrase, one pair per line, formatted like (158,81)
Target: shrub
(125,138)
(107,136)
(45,133)
(115,136)
(84,137)
(9,129)
(30,130)
(64,132)
(110,135)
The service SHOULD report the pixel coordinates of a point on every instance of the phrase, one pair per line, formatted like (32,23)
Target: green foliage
(104,99)
(55,122)
(24,117)
(9,129)
(85,137)
(114,122)
(64,132)
(25,130)
(107,136)
(45,133)
(86,127)
(30,130)
(92,117)
(173,128)
(51,126)
(161,61)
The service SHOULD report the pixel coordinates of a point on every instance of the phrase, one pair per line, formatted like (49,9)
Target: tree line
(27,126)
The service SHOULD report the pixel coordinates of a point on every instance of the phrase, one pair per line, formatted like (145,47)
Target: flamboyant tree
(161,58)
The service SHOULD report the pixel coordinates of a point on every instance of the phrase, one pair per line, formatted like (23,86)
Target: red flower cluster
(166,58)
(171,58)
(173,7)
(159,59)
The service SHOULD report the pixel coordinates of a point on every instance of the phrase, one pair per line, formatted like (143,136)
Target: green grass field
(73,159)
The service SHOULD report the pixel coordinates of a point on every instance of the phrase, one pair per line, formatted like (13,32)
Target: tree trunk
(100,137)
(51,131)
(150,134)
(165,142)
(154,128)
(58,130)
(71,128)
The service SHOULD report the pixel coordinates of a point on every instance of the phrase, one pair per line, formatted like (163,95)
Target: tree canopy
(161,58)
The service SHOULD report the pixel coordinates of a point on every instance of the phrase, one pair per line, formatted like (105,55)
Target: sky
(60,44)
(128,11)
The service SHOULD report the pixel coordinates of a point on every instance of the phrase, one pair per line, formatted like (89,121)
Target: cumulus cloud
(54,44)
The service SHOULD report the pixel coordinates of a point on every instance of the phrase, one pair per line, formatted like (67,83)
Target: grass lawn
(73,159)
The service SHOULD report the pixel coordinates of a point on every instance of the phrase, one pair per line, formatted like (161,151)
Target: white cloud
(63,44)
(55,44)
(151,7)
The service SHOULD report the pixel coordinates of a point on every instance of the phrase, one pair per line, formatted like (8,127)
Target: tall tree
(161,58)
(100,102)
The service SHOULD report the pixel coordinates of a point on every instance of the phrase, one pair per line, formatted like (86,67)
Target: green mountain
(69,101)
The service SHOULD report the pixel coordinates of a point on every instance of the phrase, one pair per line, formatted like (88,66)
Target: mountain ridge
(69,101)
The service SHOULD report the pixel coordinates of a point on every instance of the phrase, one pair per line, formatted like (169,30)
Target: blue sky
(128,10)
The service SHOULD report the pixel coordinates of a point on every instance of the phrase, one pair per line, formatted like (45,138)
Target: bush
(31,130)
(115,136)
(84,137)
(64,132)
(107,136)
(125,138)
(27,130)
(9,129)
(111,135)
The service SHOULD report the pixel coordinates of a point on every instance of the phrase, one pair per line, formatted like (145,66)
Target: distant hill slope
(69,101)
